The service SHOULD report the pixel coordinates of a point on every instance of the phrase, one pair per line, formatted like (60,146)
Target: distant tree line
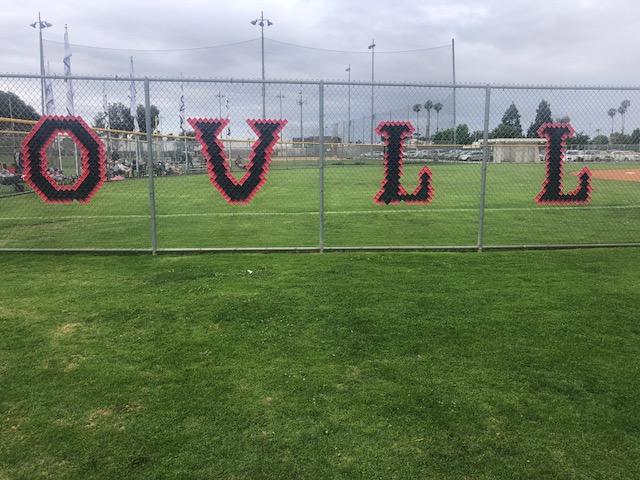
(510,126)
(119,118)
(12,106)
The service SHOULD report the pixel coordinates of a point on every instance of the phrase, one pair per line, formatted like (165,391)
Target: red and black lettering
(392,190)
(35,160)
(234,191)
(556,135)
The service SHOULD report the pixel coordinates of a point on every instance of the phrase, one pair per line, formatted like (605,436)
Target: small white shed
(517,150)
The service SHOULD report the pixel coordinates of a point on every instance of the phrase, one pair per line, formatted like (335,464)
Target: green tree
(445,137)
(428,105)
(612,113)
(510,126)
(579,139)
(635,137)
(478,135)
(600,140)
(511,117)
(622,110)
(620,139)
(12,106)
(120,118)
(437,107)
(416,108)
(543,115)
(505,131)
(142,117)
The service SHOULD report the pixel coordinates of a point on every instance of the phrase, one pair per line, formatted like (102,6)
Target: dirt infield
(625,174)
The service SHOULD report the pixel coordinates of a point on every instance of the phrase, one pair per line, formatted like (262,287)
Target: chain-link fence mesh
(330,176)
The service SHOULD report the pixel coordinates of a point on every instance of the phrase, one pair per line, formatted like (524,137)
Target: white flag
(105,106)
(67,73)
(48,94)
(182,109)
(133,103)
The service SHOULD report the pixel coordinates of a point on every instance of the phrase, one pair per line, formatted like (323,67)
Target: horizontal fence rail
(192,165)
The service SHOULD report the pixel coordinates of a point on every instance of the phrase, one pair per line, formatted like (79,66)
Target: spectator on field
(160,170)
(121,169)
(189,162)
(8,178)
(240,164)
(17,161)
(168,168)
(57,175)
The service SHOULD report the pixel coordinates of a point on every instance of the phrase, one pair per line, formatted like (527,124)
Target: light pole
(301,103)
(372,48)
(260,21)
(280,97)
(349,108)
(220,97)
(40,24)
(453,63)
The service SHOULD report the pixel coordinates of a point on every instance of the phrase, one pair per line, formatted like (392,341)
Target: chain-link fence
(301,165)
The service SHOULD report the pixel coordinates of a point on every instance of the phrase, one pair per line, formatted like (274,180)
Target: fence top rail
(117,78)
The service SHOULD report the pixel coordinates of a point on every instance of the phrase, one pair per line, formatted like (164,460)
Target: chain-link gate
(230,165)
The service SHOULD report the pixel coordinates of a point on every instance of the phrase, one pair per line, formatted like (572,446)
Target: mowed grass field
(191,213)
(349,365)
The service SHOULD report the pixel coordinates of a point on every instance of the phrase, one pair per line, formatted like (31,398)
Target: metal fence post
(485,160)
(321,159)
(152,191)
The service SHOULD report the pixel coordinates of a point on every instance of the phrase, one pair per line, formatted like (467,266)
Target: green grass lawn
(191,213)
(367,365)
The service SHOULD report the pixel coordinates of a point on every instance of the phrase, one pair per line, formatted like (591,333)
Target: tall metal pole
(263,86)
(321,160)
(349,108)
(301,103)
(152,190)
(485,159)
(40,24)
(220,97)
(280,97)
(453,53)
(372,48)
(260,21)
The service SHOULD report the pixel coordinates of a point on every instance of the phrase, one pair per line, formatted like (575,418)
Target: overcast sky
(586,42)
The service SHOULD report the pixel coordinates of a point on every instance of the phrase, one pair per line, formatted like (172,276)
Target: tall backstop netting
(191,164)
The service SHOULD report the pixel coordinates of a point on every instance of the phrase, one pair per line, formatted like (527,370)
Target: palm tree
(437,107)
(428,105)
(622,109)
(416,108)
(612,113)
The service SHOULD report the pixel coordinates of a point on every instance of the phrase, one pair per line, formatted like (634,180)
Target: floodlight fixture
(260,21)
(40,25)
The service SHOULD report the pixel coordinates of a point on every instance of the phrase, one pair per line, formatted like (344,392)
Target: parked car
(625,156)
(595,156)
(434,154)
(452,154)
(587,156)
(571,156)
(472,156)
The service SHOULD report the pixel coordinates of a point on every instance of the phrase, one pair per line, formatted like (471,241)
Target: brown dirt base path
(627,175)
